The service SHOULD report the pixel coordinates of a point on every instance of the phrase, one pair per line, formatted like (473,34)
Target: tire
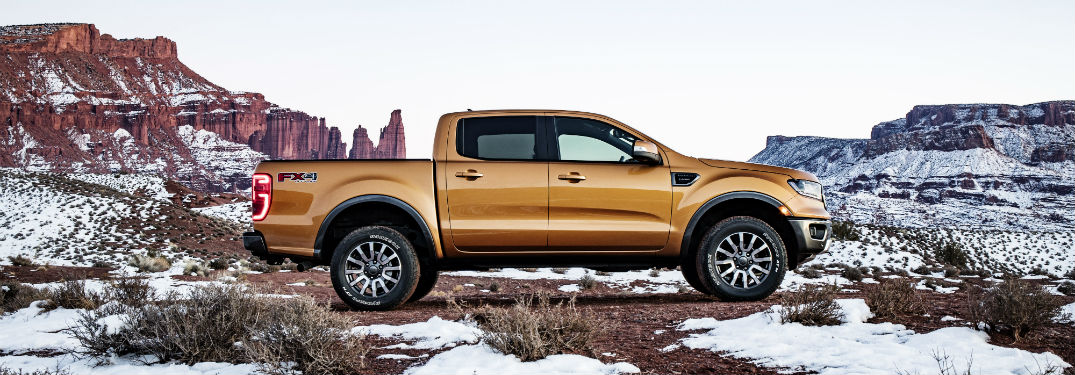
(748,276)
(690,272)
(426,282)
(362,269)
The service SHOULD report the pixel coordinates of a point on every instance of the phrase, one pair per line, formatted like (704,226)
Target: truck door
(498,188)
(600,198)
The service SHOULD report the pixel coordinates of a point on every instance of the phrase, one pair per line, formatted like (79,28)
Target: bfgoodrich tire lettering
(741,258)
(374,268)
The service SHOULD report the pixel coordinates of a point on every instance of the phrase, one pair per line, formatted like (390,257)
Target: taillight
(261,195)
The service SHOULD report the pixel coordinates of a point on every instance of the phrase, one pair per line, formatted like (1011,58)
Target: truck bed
(305,192)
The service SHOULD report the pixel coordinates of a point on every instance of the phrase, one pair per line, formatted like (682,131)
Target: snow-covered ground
(857,347)
(998,251)
(238,213)
(79,219)
(29,331)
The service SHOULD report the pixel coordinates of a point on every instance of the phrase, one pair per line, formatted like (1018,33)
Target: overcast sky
(706,78)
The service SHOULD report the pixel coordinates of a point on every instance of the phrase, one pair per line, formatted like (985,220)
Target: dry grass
(146,263)
(1016,307)
(811,305)
(893,297)
(587,282)
(195,268)
(532,330)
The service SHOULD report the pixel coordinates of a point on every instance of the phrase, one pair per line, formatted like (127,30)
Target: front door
(498,194)
(600,198)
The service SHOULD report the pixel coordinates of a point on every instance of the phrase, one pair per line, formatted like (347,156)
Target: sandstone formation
(391,143)
(990,165)
(72,99)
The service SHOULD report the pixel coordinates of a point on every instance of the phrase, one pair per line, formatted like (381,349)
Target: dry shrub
(951,254)
(809,273)
(812,305)
(147,263)
(195,268)
(224,323)
(559,270)
(534,330)
(1067,288)
(219,264)
(130,291)
(299,334)
(21,260)
(72,295)
(851,273)
(893,297)
(587,282)
(16,296)
(1016,307)
(7,371)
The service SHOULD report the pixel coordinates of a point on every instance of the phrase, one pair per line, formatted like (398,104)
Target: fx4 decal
(297,176)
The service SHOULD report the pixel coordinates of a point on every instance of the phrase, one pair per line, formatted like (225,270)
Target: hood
(793,173)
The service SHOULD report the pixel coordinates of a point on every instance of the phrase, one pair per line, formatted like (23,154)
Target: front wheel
(741,259)
(374,268)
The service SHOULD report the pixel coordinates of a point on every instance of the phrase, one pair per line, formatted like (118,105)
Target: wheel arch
(739,203)
(373,209)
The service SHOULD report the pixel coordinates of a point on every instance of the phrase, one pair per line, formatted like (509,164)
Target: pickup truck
(536,188)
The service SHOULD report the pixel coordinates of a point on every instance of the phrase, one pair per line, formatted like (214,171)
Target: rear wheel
(741,259)
(374,268)
(426,283)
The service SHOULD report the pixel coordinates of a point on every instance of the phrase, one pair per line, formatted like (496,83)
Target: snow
(121,366)
(431,334)
(30,329)
(1067,313)
(855,347)
(481,359)
(236,212)
(666,281)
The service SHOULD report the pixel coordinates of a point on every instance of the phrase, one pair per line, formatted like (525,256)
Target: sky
(706,78)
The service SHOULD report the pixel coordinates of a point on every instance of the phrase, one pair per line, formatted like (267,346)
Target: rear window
(498,138)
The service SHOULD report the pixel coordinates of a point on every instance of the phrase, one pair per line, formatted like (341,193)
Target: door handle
(573,177)
(469,174)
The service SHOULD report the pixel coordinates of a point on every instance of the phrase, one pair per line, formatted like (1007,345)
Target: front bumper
(813,235)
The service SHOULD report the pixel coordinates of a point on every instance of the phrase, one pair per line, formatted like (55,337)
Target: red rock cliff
(67,92)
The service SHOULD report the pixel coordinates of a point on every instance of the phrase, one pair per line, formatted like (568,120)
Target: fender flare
(712,202)
(426,234)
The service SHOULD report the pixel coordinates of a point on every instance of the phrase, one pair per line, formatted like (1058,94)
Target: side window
(498,138)
(582,139)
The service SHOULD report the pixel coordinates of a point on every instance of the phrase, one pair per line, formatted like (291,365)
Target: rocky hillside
(995,166)
(74,100)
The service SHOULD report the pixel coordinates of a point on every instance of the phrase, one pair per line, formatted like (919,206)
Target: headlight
(808,188)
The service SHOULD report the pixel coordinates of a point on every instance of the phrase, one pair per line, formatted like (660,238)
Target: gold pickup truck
(533,188)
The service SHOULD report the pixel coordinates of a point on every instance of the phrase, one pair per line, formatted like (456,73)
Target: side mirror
(646,152)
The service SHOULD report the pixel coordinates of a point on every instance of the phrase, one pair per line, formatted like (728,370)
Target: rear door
(498,189)
(600,198)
